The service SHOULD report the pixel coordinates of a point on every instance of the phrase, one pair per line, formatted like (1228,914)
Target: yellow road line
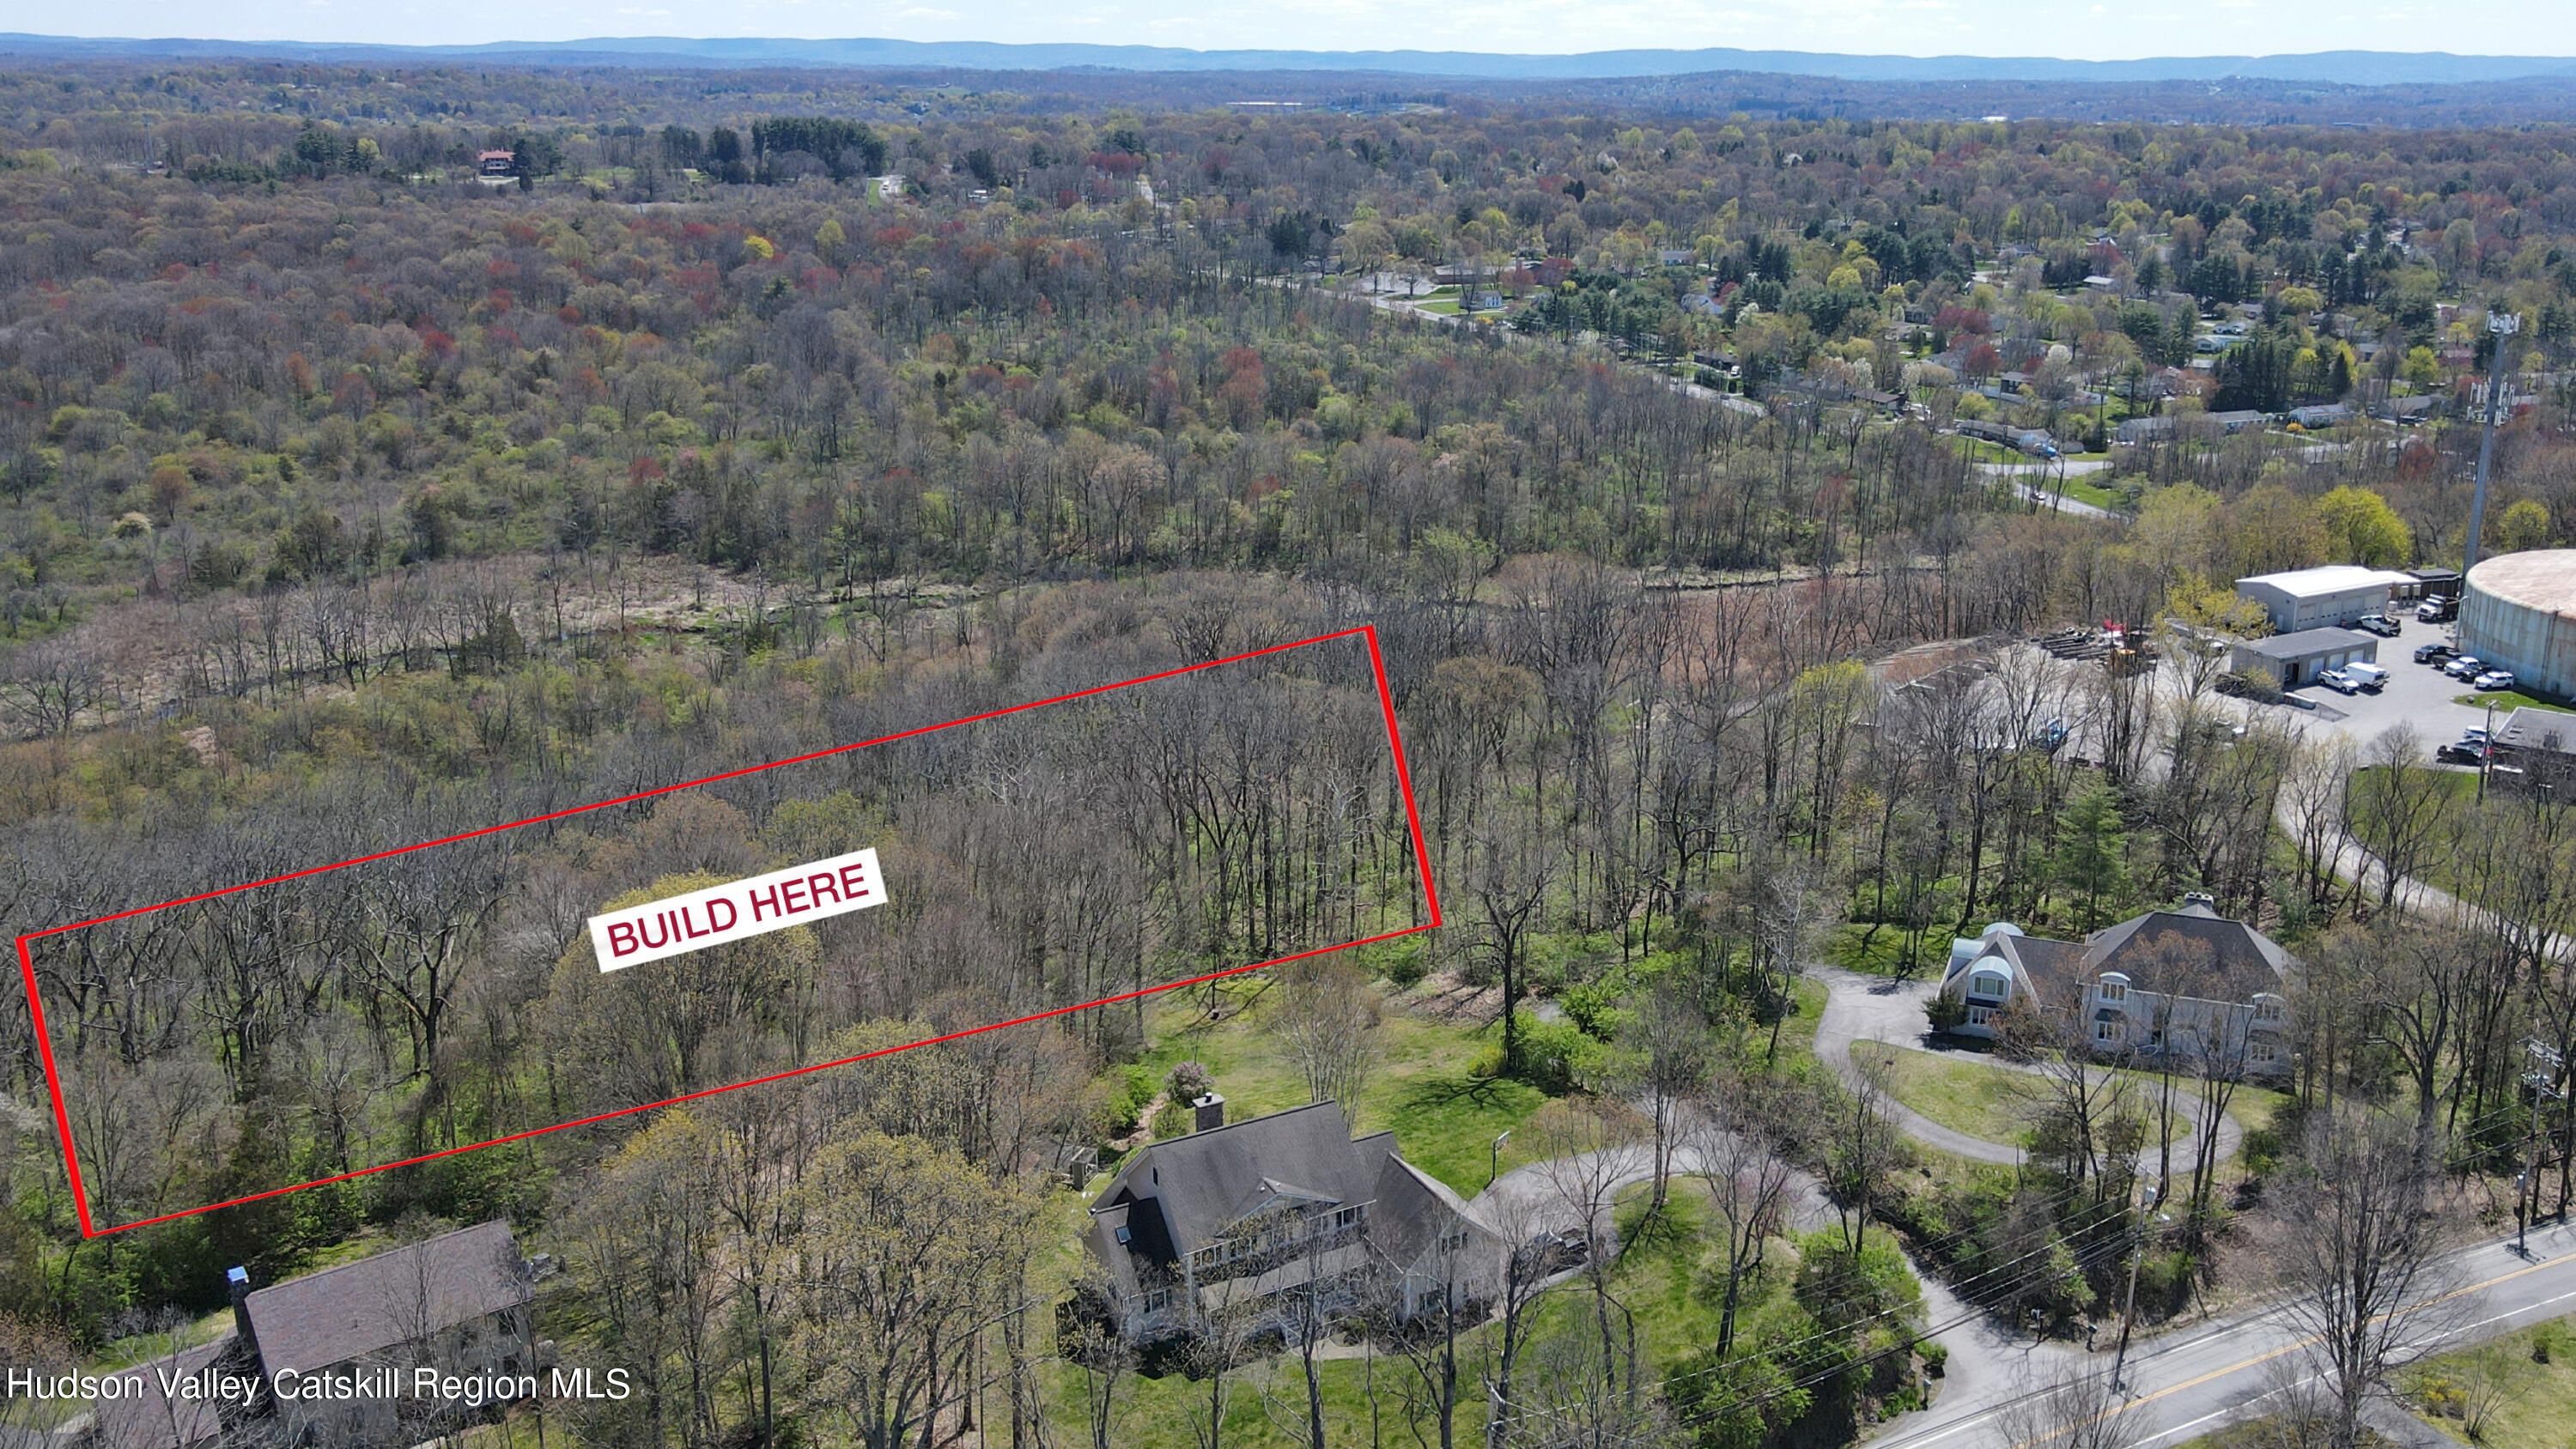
(2264,1358)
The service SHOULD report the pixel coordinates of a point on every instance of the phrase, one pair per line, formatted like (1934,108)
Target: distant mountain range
(2344,67)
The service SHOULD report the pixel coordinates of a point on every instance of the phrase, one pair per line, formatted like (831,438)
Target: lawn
(2508,699)
(2524,1404)
(1445,1117)
(1996,1104)
(1985,1101)
(2086,491)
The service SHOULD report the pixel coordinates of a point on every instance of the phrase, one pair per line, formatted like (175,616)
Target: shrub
(1189,1081)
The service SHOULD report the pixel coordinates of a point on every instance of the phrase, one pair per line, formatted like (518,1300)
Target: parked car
(2366,674)
(2466,666)
(2433,653)
(2380,624)
(2462,753)
(2496,679)
(2339,682)
(2474,735)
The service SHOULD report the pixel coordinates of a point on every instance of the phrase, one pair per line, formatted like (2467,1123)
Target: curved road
(1874,1008)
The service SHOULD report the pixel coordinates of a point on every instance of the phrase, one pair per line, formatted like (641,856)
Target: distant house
(2412,409)
(496,165)
(1223,1221)
(2133,431)
(2321,415)
(2189,982)
(2238,420)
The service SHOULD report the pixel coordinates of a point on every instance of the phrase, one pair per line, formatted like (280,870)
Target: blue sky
(2081,29)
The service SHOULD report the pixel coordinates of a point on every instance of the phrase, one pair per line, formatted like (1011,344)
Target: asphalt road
(2202,1379)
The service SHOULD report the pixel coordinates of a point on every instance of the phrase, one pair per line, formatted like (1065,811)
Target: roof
(1179,1195)
(2331,579)
(2307,642)
(2540,578)
(392,1298)
(2047,967)
(1412,1208)
(2538,729)
(2155,946)
(150,1420)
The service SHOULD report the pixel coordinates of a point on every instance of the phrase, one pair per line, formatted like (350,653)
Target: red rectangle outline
(1404,782)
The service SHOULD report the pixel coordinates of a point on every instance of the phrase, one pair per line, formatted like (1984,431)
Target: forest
(391,453)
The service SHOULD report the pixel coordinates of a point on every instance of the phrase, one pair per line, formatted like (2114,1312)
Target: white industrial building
(2520,614)
(2322,597)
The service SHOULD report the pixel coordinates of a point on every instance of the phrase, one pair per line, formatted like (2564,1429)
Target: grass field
(2506,699)
(2521,1404)
(1961,1093)
(1445,1117)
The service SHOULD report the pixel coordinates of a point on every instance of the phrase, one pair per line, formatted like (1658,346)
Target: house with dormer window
(1229,1219)
(2187,982)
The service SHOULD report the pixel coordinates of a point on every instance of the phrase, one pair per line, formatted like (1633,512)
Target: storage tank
(2519,613)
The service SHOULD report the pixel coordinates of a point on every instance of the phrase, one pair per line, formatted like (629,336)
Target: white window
(2267,1008)
(1980,1015)
(1346,1217)
(2263,1051)
(1453,1242)
(2106,1031)
(1987,983)
(2114,988)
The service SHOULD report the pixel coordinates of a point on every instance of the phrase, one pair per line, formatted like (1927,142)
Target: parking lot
(2417,694)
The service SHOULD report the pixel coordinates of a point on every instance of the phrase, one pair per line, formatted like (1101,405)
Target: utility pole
(2503,325)
(2486,751)
(2526,1188)
(2153,1188)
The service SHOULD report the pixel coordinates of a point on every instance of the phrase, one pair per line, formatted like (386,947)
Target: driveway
(1874,1008)
(2036,483)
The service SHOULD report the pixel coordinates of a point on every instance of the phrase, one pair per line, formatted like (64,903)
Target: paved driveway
(1875,1008)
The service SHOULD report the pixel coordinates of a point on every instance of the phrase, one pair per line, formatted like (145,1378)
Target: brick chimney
(1207,1113)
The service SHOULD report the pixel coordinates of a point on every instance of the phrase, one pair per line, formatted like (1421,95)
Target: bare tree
(2071,1408)
(2397,806)
(2355,1241)
(1326,1024)
(1732,1149)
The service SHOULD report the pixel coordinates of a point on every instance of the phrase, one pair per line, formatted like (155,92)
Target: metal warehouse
(2314,598)
(2295,659)
(2520,614)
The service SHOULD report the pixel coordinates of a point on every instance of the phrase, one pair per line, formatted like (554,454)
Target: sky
(2076,29)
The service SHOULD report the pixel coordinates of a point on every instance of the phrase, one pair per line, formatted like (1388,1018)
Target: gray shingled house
(458,1303)
(1227,1219)
(2187,981)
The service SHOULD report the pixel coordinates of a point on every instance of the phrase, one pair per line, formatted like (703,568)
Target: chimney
(1207,1113)
(237,1282)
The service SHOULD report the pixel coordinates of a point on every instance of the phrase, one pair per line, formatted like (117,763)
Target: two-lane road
(2200,1380)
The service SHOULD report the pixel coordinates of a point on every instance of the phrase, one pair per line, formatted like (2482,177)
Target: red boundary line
(1395,745)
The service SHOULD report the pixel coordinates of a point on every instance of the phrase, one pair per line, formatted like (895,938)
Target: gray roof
(148,1419)
(392,1298)
(2152,949)
(1413,1207)
(1200,1184)
(2307,643)
(2538,729)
